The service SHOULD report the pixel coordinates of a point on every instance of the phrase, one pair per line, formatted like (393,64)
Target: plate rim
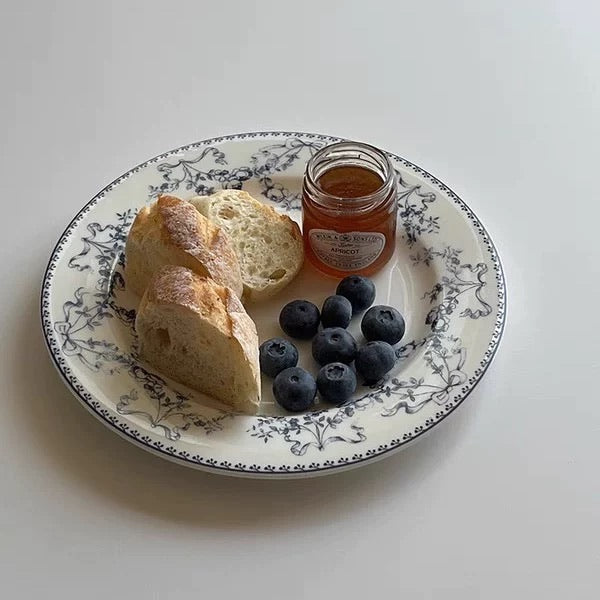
(308,471)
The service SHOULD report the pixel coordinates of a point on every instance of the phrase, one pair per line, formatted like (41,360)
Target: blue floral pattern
(172,413)
(79,337)
(275,158)
(458,279)
(102,246)
(102,253)
(189,175)
(413,210)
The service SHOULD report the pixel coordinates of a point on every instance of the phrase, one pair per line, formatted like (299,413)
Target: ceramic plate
(446,279)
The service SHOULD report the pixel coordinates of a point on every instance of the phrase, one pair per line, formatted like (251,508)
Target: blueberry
(374,360)
(383,323)
(336,312)
(294,389)
(300,319)
(333,344)
(359,290)
(276,355)
(336,382)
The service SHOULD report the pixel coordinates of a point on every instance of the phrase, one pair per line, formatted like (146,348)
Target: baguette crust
(210,336)
(171,231)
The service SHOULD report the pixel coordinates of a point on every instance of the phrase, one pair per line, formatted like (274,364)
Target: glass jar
(349,202)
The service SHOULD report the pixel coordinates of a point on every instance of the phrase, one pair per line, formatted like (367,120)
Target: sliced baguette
(172,232)
(268,245)
(197,332)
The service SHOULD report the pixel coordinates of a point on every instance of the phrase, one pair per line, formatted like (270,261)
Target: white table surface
(501,100)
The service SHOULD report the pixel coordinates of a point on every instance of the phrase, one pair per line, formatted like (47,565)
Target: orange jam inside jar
(349,202)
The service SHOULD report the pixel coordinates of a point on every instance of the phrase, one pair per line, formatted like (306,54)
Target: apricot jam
(349,202)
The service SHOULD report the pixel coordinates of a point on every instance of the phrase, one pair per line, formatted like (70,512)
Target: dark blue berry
(275,355)
(383,323)
(374,360)
(336,312)
(359,290)
(300,319)
(295,389)
(333,344)
(336,382)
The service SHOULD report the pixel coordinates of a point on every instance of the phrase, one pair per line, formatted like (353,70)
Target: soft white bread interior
(172,232)
(268,245)
(197,332)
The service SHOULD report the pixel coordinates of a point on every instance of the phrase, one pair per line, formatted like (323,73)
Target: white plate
(446,278)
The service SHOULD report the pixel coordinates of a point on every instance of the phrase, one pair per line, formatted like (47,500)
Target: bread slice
(197,332)
(269,246)
(172,232)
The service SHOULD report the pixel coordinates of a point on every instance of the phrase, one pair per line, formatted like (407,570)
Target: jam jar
(349,206)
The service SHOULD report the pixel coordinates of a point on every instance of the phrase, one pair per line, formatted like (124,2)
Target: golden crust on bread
(198,332)
(172,232)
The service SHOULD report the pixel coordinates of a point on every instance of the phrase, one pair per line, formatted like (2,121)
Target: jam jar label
(348,251)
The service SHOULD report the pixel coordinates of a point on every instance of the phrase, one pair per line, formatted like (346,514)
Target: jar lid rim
(350,146)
